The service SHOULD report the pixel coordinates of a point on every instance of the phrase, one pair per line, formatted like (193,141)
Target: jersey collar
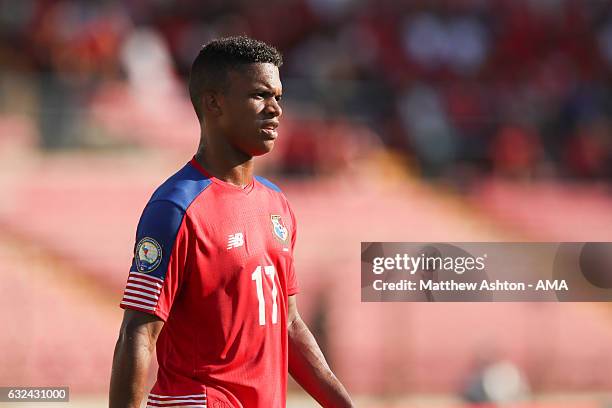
(247,189)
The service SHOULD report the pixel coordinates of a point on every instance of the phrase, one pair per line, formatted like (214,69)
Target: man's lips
(269,125)
(270,133)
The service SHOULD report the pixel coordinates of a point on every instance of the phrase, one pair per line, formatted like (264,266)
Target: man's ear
(211,103)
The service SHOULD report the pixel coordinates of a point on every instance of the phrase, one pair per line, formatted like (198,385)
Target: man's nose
(274,108)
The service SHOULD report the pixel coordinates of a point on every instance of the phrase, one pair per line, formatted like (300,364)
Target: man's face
(250,108)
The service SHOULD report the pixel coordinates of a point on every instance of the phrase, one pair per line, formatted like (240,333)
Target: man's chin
(266,147)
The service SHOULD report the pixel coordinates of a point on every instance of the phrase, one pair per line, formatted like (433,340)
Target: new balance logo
(235,240)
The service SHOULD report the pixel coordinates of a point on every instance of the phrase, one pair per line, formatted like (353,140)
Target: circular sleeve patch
(148,255)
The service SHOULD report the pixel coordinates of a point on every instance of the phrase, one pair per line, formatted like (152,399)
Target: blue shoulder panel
(268,183)
(182,188)
(162,218)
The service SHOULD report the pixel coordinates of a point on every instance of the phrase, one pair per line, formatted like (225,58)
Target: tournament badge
(280,231)
(148,255)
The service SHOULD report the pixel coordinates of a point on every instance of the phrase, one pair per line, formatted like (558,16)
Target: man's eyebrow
(263,88)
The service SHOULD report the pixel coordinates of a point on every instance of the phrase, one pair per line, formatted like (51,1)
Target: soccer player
(212,282)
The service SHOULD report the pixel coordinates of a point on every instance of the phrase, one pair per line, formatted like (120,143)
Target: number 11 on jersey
(258,278)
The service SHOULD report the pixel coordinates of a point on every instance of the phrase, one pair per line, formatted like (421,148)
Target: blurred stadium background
(413,120)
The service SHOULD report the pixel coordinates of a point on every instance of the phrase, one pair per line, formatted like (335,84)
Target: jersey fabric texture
(215,262)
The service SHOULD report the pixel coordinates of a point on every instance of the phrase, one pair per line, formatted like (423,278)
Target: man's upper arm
(137,323)
(133,351)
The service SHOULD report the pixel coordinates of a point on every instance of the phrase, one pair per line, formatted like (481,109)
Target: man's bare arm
(136,343)
(308,367)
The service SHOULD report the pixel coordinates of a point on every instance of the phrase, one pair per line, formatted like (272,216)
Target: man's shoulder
(182,188)
(275,194)
(267,183)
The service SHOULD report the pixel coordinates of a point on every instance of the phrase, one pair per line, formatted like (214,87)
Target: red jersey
(215,262)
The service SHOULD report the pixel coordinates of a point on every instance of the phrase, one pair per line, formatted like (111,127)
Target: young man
(212,282)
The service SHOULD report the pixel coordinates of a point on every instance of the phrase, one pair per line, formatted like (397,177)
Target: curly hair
(218,57)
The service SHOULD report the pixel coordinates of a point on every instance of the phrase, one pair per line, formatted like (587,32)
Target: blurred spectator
(459,43)
(588,151)
(427,127)
(515,151)
(148,64)
(74,47)
(605,42)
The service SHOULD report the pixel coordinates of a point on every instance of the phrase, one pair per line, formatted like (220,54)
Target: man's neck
(227,164)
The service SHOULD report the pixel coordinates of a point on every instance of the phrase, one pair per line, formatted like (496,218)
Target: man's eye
(267,95)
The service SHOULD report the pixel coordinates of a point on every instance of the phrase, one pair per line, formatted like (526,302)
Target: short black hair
(218,57)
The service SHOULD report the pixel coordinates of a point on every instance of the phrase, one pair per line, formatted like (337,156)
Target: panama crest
(148,255)
(279,229)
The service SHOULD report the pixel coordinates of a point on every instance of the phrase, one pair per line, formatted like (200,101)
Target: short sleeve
(292,284)
(159,260)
